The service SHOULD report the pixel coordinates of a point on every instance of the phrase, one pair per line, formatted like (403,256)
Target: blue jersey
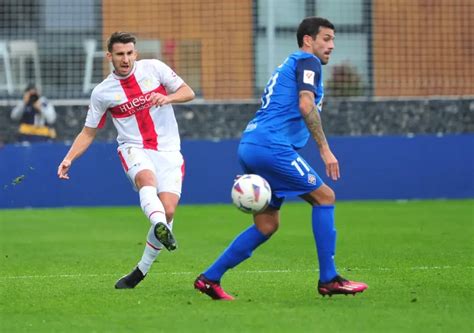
(279,121)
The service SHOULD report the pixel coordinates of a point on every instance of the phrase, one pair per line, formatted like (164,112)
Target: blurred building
(227,49)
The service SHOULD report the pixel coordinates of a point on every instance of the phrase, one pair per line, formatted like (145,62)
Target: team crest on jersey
(118,97)
(308,77)
(148,83)
(311,179)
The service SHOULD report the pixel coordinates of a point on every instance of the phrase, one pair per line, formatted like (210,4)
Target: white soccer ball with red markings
(251,193)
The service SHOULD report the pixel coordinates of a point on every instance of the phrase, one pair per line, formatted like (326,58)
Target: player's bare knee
(273,228)
(267,229)
(327,197)
(145,178)
(324,195)
(268,222)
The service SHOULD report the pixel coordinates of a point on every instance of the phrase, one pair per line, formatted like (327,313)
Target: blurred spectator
(36,115)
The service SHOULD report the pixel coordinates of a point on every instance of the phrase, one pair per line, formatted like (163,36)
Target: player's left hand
(63,169)
(159,99)
(332,165)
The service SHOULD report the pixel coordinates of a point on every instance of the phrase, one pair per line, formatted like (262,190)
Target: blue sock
(239,250)
(325,237)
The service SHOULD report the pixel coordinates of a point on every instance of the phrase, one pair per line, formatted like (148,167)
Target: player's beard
(124,71)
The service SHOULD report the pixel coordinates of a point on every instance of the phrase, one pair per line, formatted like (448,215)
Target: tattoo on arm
(315,127)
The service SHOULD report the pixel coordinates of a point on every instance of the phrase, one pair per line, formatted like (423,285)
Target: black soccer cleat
(131,280)
(165,236)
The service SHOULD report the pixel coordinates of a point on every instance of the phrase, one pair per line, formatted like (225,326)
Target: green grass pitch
(58,268)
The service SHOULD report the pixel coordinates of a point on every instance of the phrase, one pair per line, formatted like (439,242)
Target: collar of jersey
(118,77)
(310,55)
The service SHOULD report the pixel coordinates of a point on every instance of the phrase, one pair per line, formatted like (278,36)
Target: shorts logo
(136,165)
(311,179)
(308,77)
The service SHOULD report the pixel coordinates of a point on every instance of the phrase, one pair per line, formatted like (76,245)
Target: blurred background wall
(400,68)
(227,49)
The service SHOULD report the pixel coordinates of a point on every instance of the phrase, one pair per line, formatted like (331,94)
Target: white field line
(277,271)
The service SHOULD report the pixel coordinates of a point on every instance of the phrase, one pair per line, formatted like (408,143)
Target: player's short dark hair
(310,26)
(120,37)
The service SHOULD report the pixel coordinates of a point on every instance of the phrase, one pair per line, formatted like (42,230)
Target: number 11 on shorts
(298,163)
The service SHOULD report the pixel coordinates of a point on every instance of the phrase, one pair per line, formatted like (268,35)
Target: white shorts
(168,167)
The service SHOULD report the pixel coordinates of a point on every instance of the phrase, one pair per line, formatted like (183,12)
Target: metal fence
(227,49)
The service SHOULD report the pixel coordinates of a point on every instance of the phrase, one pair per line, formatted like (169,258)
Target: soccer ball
(251,193)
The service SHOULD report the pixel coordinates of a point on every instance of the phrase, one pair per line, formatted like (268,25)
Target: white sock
(152,249)
(151,205)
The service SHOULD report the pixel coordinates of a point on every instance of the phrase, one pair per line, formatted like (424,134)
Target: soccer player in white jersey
(138,95)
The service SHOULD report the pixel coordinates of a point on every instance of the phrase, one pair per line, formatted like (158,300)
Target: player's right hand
(63,169)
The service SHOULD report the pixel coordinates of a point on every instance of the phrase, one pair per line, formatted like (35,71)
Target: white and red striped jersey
(138,123)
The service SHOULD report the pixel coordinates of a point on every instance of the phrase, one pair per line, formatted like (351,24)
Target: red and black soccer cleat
(341,286)
(211,289)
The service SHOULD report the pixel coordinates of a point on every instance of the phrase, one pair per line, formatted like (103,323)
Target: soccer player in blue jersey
(291,103)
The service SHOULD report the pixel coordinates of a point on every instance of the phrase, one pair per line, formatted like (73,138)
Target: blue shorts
(285,170)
